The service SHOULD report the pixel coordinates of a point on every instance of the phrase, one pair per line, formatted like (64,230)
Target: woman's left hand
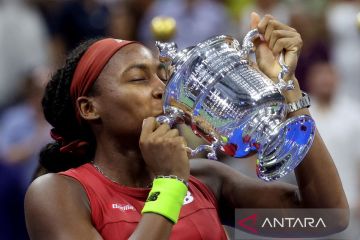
(276,38)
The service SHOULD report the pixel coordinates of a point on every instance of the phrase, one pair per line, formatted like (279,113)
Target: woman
(122,193)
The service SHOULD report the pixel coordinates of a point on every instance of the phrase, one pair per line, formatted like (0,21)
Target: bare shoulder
(52,187)
(50,179)
(56,206)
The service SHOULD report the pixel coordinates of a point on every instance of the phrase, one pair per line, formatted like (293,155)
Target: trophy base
(285,148)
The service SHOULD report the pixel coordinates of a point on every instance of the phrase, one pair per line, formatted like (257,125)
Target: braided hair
(60,113)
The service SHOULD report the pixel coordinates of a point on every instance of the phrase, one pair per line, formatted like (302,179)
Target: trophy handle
(167,51)
(248,47)
(283,85)
(175,116)
(203,148)
(211,149)
(172,116)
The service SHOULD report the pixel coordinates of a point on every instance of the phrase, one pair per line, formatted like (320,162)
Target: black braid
(59,112)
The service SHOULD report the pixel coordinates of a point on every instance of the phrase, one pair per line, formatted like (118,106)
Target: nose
(159,89)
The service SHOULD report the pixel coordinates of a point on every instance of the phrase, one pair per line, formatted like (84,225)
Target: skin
(57,206)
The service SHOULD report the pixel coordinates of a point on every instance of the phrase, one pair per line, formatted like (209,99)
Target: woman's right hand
(163,149)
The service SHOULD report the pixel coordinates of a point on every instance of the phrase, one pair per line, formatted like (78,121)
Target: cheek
(136,101)
(127,108)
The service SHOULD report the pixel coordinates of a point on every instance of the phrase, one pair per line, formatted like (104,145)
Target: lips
(159,114)
(159,111)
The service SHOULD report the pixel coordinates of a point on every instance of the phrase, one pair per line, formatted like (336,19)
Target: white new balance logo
(123,208)
(188,198)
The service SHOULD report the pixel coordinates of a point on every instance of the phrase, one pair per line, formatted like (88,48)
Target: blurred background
(36,35)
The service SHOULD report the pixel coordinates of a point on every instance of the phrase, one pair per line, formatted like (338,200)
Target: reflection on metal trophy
(237,109)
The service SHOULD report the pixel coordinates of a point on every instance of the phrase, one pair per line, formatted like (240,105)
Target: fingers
(181,140)
(291,44)
(151,128)
(172,133)
(268,24)
(254,20)
(283,39)
(273,26)
(161,130)
(278,35)
(264,24)
(148,127)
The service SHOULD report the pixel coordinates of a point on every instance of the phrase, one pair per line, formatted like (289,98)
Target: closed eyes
(164,80)
(138,79)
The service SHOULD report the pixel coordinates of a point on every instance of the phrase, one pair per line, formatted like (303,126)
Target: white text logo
(293,222)
(123,208)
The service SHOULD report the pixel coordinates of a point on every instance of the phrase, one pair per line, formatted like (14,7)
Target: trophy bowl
(215,89)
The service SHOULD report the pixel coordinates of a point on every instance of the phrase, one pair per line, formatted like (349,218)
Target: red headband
(90,66)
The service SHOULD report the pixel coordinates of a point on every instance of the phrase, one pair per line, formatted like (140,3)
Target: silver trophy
(215,89)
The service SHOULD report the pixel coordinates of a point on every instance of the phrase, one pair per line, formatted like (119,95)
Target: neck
(122,163)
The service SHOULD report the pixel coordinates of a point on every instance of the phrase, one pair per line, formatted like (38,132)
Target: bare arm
(318,180)
(319,186)
(56,207)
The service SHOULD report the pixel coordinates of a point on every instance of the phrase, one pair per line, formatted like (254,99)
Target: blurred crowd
(36,35)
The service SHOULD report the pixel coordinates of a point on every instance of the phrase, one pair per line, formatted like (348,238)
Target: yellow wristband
(166,198)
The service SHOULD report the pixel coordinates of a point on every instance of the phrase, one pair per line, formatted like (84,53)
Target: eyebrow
(145,67)
(140,66)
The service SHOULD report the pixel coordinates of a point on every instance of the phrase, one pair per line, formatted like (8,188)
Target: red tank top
(116,209)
